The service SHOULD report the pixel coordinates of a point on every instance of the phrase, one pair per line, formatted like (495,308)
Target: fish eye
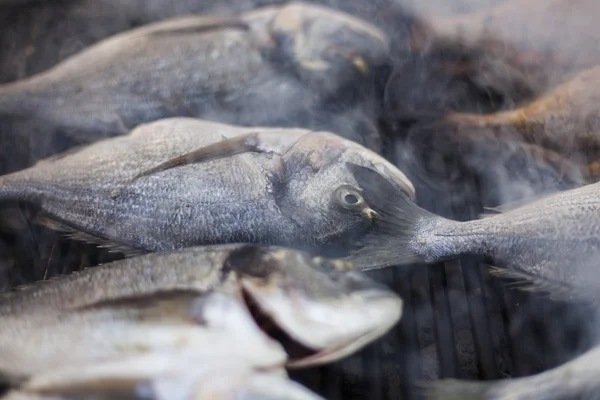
(349,197)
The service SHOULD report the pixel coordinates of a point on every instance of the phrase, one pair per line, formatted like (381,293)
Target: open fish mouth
(301,354)
(298,353)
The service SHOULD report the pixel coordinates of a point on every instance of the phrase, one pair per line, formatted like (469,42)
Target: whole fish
(576,379)
(35,35)
(175,375)
(177,183)
(505,54)
(297,65)
(263,306)
(551,242)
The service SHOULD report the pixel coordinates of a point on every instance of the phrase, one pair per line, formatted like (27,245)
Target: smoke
(453,62)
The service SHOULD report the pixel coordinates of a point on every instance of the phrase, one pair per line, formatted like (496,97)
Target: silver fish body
(213,302)
(293,192)
(554,238)
(35,35)
(295,65)
(162,375)
(576,379)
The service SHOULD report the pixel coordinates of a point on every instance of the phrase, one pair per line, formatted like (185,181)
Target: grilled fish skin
(297,192)
(574,379)
(564,120)
(556,136)
(553,239)
(298,65)
(200,298)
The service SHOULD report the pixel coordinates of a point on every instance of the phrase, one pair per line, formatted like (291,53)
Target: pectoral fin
(252,142)
(177,304)
(200,25)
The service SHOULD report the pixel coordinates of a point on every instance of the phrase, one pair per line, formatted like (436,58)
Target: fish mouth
(296,351)
(301,354)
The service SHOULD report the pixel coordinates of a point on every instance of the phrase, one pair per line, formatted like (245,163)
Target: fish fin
(247,143)
(202,25)
(453,389)
(79,235)
(396,216)
(172,303)
(512,205)
(531,283)
(117,378)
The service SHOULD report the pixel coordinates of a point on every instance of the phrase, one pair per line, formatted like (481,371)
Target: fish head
(327,48)
(321,194)
(319,309)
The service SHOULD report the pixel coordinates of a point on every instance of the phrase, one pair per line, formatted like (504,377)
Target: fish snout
(349,325)
(328,47)
(328,317)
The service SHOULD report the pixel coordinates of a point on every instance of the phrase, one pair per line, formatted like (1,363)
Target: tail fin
(454,389)
(393,238)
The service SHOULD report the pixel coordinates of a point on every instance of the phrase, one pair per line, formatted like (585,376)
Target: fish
(574,379)
(263,306)
(296,65)
(564,120)
(550,242)
(180,182)
(162,375)
(559,133)
(35,35)
(500,56)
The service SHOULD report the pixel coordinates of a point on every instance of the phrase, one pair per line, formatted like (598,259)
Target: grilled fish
(293,310)
(505,54)
(177,183)
(298,65)
(551,242)
(576,379)
(37,34)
